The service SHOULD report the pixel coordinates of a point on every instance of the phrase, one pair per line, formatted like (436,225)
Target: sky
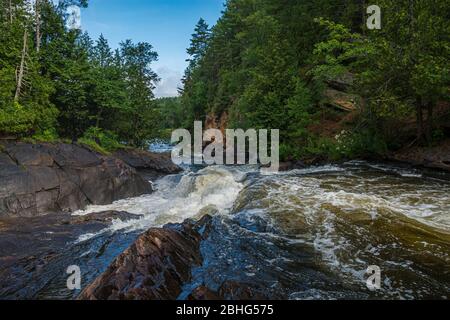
(166,24)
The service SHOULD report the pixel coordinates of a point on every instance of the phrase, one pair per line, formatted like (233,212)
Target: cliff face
(37,179)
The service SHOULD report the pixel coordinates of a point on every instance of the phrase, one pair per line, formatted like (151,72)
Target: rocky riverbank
(433,159)
(155,267)
(34,251)
(436,157)
(41,185)
(37,179)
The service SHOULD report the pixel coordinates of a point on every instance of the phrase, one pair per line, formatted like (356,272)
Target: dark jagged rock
(151,165)
(230,290)
(437,157)
(37,179)
(203,293)
(291,165)
(233,290)
(155,267)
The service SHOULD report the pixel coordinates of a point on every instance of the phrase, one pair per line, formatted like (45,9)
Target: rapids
(310,233)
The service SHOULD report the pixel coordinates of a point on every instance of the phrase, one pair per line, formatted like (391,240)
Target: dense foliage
(57,82)
(266,64)
(269,63)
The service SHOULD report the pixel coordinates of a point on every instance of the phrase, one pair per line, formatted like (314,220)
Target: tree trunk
(10,12)
(21,71)
(429,129)
(99,116)
(38,24)
(419,114)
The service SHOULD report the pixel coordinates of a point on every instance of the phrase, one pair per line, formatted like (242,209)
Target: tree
(25,108)
(108,89)
(198,47)
(140,112)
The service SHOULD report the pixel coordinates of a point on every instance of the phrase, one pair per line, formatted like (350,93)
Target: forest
(313,69)
(310,68)
(58,83)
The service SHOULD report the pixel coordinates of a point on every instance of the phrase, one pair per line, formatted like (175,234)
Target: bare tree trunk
(10,12)
(21,71)
(38,24)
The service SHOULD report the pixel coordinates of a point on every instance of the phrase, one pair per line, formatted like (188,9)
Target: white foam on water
(177,197)
(404,172)
(317,198)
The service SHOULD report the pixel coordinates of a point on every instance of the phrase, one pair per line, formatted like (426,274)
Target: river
(303,234)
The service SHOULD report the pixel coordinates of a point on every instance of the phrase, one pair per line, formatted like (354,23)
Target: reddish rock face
(155,267)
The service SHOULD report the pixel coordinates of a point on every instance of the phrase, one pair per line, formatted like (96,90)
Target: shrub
(47,135)
(102,141)
(16,119)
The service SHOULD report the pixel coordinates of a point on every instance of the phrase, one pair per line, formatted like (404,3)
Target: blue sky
(165,24)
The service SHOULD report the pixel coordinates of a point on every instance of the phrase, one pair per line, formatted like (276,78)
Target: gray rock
(150,165)
(37,179)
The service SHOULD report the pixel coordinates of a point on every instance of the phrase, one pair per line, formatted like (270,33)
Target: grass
(91,144)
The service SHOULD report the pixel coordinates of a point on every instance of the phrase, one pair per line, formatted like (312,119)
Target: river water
(303,234)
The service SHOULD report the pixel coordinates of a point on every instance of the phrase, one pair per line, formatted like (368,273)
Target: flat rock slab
(35,251)
(150,165)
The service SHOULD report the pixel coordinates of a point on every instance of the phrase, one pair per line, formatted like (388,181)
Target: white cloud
(169,84)
(74,17)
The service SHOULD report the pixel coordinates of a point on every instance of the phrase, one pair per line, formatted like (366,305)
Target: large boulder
(151,165)
(155,267)
(341,100)
(37,179)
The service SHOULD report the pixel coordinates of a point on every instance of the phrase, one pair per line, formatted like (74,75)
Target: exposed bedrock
(155,267)
(37,179)
(150,165)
